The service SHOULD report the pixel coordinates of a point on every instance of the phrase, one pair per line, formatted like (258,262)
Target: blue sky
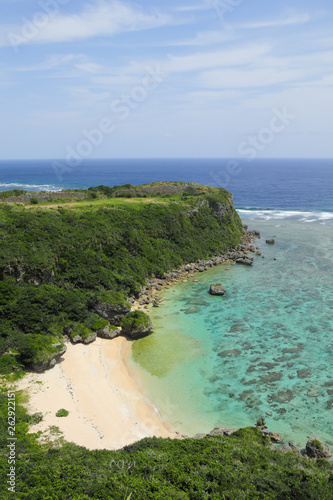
(192,78)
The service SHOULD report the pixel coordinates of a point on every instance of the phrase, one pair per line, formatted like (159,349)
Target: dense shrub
(56,265)
(9,364)
(135,321)
(62,413)
(237,467)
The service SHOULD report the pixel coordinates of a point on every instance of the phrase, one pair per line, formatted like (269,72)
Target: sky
(153,79)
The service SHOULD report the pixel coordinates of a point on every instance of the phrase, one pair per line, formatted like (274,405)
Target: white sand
(106,407)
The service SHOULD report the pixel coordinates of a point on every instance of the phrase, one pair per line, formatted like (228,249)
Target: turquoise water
(266,346)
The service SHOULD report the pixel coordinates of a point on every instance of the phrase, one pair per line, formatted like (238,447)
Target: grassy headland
(64,267)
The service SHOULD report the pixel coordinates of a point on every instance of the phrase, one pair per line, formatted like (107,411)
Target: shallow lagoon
(264,349)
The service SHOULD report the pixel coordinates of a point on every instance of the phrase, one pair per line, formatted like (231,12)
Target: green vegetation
(62,413)
(36,418)
(241,466)
(12,192)
(57,264)
(317,444)
(135,321)
(9,364)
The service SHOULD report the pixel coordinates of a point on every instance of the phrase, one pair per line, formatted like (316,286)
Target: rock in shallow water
(282,396)
(217,289)
(230,353)
(275,437)
(247,261)
(192,310)
(313,392)
(316,448)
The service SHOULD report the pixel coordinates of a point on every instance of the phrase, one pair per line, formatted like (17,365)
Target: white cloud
(84,97)
(59,61)
(89,67)
(191,8)
(259,77)
(222,58)
(104,18)
(286,21)
(203,38)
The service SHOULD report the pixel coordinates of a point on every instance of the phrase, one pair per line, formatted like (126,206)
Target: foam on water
(255,214)
(266,346)
(4,186)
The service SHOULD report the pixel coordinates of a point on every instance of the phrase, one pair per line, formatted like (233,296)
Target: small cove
(264,349)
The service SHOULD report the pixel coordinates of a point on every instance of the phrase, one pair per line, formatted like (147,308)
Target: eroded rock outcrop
(112,312)
(50,359)
(88,339)
(217,289)
(136,325)
(316,448)
(108,332)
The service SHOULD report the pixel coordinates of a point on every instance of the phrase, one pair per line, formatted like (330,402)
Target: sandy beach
(107,409)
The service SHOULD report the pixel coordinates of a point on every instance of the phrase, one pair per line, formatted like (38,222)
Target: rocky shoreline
(149,293)
(315,448)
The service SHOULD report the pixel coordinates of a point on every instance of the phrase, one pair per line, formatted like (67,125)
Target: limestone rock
(282,396)
(85,340)
(275,437)
(158,301)
(305,373)
(290,447)
(192,310)
(76,339)
(90,338)
(217,289)
(136,325)
(112,312)
(247,261)
(230,353)
(108,332)
(51,359)
(313,392)
(221,431)
(270,242)
(316,448)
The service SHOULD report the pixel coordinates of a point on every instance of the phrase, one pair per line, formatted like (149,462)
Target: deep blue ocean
(266,347)
(283,184)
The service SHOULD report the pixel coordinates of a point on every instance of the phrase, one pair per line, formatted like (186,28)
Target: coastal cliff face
(64,269)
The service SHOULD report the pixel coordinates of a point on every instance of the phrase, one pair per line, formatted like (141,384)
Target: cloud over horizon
(220,73)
